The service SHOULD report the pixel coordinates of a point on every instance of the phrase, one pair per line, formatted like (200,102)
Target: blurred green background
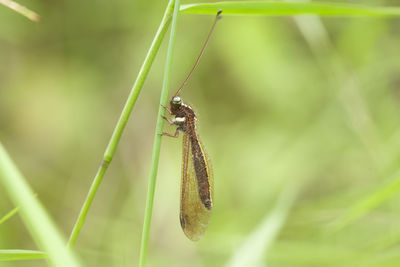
(300,116)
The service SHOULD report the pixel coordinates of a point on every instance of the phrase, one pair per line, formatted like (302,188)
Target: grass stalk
(21,254)
(34,215)
(366,204)
(116,136)
(256,246)
(20,9)
(289,8)
(157,141)
(9,215)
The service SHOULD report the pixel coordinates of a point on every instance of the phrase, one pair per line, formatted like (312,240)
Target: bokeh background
(300,117)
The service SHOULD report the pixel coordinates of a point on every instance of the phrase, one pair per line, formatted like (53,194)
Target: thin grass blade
(24,11)
(157,138)
(123,120)
(9,215)
(20,254)
(275,8)
(367,204)
(254,248)
(34,215)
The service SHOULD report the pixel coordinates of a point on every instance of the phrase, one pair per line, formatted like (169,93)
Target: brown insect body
(186,120)
(197,179)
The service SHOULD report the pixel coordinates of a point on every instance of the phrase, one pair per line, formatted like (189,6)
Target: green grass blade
(123,120)
(20,9)
(33,214)
(20,254)
(9,215)
(253,250)
(157,140)
(367,204)
(275,8)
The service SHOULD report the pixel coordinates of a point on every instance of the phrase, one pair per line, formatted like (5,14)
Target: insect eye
(177,101)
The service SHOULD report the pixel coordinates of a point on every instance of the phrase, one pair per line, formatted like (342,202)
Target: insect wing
(194,216)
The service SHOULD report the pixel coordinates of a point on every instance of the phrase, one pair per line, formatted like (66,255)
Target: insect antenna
(217,17)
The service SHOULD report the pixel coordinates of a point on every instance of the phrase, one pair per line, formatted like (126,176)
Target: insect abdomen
(202,172)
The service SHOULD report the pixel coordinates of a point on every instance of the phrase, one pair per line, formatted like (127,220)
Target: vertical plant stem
(157,142)
(116,136)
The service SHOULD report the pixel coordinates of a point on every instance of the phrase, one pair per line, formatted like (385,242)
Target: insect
(197,185)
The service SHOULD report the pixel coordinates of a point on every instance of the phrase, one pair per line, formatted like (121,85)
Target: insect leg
(170,135)
(168,120)
(167,109)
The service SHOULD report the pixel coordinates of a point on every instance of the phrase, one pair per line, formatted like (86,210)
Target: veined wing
(196,189)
